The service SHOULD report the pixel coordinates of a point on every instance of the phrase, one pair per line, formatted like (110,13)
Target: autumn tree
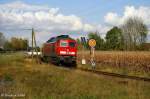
(134,33)
(16,44)
(2,39)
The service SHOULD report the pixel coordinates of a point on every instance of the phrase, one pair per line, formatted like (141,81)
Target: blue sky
(78,17)
(90,10)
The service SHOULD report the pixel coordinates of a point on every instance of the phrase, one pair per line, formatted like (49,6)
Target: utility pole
(32,42)
(34,45)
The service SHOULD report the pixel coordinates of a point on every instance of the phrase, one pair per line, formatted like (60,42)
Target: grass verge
(27,79)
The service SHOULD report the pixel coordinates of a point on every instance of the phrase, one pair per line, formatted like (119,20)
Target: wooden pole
(92,57)
(32,42)
(35,45)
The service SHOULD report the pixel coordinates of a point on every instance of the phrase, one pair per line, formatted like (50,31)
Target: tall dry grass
(9,59)
(128,62)
(119,58)
(46,81)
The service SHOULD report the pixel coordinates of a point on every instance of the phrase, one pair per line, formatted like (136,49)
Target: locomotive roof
(59,37)
(63,37)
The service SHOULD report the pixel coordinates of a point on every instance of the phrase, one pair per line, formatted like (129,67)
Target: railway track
(115,75)
(112,74)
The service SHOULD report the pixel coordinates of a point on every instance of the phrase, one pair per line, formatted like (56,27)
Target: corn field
(119,58)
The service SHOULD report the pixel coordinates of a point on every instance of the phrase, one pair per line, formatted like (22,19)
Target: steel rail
(115,74)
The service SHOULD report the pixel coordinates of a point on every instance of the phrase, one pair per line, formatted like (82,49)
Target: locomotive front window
(63,44)
(72,44)
(53,39)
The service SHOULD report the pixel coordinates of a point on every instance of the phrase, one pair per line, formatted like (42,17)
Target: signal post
(92,44)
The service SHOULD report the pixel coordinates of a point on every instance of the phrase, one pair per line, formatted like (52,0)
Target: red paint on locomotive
(60,49)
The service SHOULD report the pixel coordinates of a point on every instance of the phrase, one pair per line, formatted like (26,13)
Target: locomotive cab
(60,49)
(67,47)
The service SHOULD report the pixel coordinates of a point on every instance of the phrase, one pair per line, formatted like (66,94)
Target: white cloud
(112,18)
(88,27)
(18,5)
(17,15)
(102,29)
(130,11)
(46,21)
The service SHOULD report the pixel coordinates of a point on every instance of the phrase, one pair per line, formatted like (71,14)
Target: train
(60,49)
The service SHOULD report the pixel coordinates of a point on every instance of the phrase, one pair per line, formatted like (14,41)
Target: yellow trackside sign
(92,43)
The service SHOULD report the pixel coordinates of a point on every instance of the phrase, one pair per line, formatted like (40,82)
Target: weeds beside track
(115,74)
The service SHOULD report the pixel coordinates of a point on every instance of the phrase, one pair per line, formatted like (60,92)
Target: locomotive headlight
(63,52)
(72,53)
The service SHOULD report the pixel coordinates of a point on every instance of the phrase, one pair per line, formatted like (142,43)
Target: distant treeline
(16,44)
(129,36)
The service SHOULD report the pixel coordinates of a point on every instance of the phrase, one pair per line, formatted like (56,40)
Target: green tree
(15,43)
(114,39)
(99,40)
(26,45)
(79,44)
(19,43)
(2,39)
(8,46)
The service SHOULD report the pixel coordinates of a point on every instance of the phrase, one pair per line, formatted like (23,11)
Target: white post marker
(92,44)
(83,57)
(83,61)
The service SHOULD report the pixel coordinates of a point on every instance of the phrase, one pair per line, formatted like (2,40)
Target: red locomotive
(60,49)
